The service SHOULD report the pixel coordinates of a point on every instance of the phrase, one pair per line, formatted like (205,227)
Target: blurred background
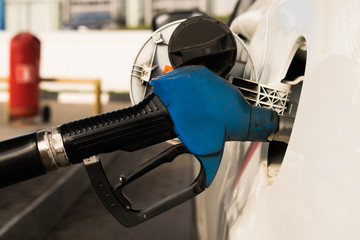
(50,15)
(90,38)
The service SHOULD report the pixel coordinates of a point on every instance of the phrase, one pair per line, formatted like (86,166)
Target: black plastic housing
(130,129)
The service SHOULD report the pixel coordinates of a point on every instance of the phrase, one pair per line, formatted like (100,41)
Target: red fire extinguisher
(24,75)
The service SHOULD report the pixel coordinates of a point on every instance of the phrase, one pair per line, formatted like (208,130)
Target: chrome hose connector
(51,149)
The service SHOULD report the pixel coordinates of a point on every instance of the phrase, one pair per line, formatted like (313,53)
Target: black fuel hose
(20,160)
(129,129)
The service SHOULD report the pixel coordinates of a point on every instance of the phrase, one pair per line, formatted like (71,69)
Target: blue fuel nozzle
(207,111)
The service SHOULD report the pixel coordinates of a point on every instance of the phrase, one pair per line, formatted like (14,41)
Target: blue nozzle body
(207,111)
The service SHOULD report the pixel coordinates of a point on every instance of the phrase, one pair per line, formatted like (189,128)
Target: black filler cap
(203,40)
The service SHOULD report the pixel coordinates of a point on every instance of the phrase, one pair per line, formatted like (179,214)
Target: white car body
(315,194)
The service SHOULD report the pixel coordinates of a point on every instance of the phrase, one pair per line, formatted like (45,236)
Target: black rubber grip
(19,160)
(130,129)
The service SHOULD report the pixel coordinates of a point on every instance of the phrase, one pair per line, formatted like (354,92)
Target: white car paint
(316,193)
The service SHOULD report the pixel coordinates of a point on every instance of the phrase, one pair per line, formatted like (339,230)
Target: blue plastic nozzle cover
(207,111)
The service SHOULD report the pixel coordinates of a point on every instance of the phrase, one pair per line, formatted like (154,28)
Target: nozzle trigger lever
(120,206)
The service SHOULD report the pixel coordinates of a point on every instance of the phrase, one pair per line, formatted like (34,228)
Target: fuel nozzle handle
(129,129)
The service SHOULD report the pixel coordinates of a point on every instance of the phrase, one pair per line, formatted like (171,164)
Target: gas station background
(105,54)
